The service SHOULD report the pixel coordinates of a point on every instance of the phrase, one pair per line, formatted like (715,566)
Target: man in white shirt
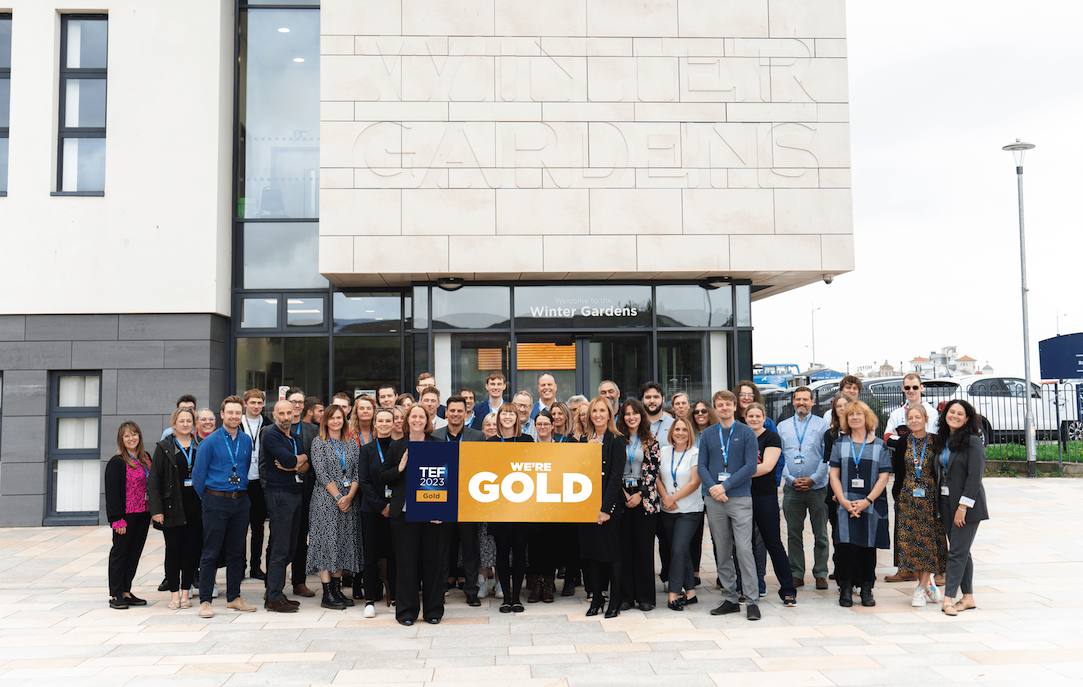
(659,420)
(252,423)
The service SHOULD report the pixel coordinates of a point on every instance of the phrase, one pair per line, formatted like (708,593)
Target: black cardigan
(165,488)
(116,483)
(390,475)
(614,453)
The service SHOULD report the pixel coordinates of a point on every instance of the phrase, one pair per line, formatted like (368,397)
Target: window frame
(5,131)
(89,73)
(53,454)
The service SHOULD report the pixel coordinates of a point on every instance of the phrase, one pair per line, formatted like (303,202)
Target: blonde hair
(688,427)
(611,426)
(871,420)
(406,419)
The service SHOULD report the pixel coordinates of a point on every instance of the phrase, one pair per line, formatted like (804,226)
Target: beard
(284,425)
(652,409)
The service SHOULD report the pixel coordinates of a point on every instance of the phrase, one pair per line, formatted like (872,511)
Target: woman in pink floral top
(126,507)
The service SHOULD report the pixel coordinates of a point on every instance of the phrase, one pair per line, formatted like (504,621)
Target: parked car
(1001,401)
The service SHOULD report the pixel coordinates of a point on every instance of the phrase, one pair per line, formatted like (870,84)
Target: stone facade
(584,139)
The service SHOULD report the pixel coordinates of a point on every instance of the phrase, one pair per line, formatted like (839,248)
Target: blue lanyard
(854,452)
(146,470)
(801,436)
(632,453)
(501,438)
(447,437)
(673,467)
(341,453)
(725,443)
(381,450)
(563,438)
(232,448)
(294,442)
(944,457)
(187,454)
(918,463)
(362,441)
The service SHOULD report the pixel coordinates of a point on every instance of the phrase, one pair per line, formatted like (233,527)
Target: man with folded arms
(282,455)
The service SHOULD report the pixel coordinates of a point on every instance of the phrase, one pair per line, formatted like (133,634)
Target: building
(946,363)
(345,195)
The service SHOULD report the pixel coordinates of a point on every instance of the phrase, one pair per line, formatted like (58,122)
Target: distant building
(946,363)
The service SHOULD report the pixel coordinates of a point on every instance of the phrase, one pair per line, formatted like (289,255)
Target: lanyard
(673,467)
(944,457)
(381,450)
(146,470)
(725,443)
(855,454)
(659,427)
(918,462)
(248,426)
(447,437)
(632,453)
(232,448)
(801,436)
(294,442)
(187,454)
(361,442)
(341,453)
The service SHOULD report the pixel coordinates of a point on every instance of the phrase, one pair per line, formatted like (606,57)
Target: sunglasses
(699,412)
(911,388)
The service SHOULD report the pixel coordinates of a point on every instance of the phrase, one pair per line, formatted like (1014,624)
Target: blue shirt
(743,458)
(213,465)
(481,411)
(538,407)
(810,451)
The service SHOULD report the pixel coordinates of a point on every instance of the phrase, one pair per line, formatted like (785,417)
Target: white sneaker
(498,592)
(934,592)
(483,586)
(919,598)
(370,610)
(214,592)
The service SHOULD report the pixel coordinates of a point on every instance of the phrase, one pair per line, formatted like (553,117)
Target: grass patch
(1046,452)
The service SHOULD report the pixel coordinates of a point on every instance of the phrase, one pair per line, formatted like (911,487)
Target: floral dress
(332,534)
(920,543)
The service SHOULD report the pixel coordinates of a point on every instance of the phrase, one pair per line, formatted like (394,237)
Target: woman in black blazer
(419,546)
(375,514)
(599,544)
(175,506)
(960,465)
(126,477)
(511,537)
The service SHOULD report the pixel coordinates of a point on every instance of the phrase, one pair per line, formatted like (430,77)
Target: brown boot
(534,584)
(303,590)
(549,588)
(901,576)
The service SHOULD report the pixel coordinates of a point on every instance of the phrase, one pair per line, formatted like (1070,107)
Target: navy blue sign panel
(433,466)
(1061,357)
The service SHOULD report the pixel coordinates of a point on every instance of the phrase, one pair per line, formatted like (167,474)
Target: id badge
(387,492)
(297,476)
(919,493)
(188,483)
(234,479)
(857,483)
(723,476)
(346,483)
(798,460)
(629,483)
(944,491)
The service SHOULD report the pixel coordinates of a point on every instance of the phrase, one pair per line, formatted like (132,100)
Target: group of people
(332,484)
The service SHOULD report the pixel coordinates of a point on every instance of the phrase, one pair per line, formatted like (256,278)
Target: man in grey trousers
(728,459)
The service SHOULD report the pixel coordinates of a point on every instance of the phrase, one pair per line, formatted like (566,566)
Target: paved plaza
(58,629)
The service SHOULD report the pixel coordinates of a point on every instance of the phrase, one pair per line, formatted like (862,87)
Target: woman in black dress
(510,537)
(599,544)
(379,564)
(642,504)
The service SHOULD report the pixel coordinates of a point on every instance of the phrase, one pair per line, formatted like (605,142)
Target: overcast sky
(936,89)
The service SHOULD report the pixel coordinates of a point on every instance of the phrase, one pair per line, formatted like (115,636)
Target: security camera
(828,279)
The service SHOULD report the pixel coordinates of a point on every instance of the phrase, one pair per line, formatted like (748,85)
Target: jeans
(794,506)
(284,509)
(225,523)
(731,525)
(679,529)
(125,553)
(765,514)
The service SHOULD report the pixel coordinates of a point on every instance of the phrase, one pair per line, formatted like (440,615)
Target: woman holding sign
(599,544)
(639,524)
(510,536)
(418,545)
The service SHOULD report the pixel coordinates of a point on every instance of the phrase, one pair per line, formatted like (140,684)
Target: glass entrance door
(580,362)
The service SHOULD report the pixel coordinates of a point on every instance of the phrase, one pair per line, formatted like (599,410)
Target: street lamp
(1019,149)
(1059,316)
(814,337)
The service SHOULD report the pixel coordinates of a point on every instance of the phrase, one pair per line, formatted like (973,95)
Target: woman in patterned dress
(642,504)
(920,542)
(332,533)
(860,468)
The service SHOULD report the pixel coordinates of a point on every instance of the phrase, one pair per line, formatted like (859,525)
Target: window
(5,98)
(81,145)
(74,447)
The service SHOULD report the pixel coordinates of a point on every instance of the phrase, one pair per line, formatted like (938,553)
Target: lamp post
(1018,150)
(813,337)
(1060,315)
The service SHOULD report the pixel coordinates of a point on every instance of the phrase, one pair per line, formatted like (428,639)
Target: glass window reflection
(364,363)
(83,164)
(5,42)
(690,305)
(5,102)
(421,307)
(87,43)
(259,313)
(268,363)
(280,114)
(282,255)
(744,305)
(304,312)
(84,102)
(471,307)
(356,312)
(582,306)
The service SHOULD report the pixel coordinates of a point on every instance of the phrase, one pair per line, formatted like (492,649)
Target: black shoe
(164,586)
(134,600)
(688,601)
(696,581)
(625,606)
(336,585)
(407,623)
(118,604)
(330,599)
(506,608)
(676,605)
(561,571)
(472,600)
(646,607)
(866,596)
(592,611)
(258,574)
(725,607)
(432,621)
(569,587)
(846,594)
(612,612)
(831,576)
(752,612)
(741,598)
(517,607)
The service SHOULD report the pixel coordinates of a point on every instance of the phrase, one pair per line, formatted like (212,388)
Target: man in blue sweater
(220,477)
(728,456)
(283,453)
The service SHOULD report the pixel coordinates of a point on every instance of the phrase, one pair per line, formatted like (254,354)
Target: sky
(936,90)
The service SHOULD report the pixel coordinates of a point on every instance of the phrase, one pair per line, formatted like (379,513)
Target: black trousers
(695,547)
(464,534)
(420,551)
(855,565)
(637,530)
(376,532)
(283,507)
(183,545)
(125,552)
(511,541)
(765,516)
(257,517)
(665,546)
(300,558)
(566,541)
(544,543)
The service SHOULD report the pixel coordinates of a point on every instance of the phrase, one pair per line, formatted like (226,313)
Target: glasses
(746,395)
(521,406)
(701,411)
(911,388)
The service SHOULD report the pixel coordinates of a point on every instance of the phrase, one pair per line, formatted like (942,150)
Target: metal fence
(1002,408)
